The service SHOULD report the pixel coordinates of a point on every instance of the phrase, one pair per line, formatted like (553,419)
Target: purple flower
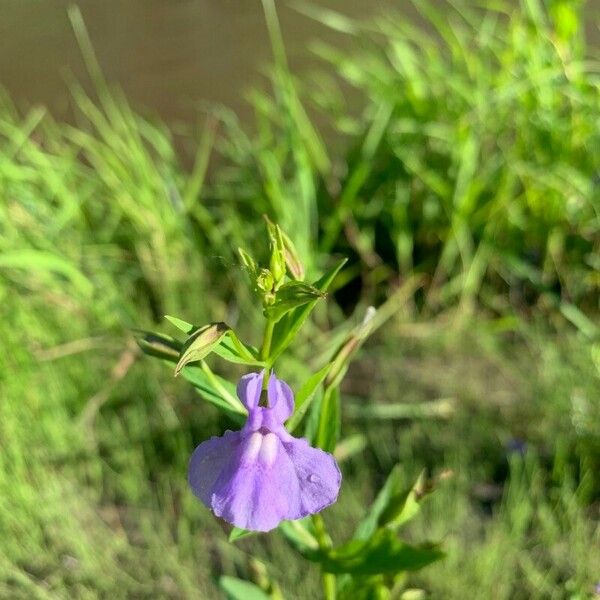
(261,475)
(516,446)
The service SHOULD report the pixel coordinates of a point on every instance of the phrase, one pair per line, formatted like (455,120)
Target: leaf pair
(213,388)
(290,296)
(214,337)
(376,556)
(293,318)
(375,548)
(382,553)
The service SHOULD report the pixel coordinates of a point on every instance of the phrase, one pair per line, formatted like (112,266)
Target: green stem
(324,541)
(265,350)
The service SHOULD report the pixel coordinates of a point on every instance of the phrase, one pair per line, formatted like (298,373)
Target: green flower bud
(277,262)
(248,263)
(265,281)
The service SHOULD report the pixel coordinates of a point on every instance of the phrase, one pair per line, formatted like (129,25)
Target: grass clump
(474,159)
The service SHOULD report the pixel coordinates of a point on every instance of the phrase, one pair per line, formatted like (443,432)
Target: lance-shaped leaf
(294,265)
(289,325)
(215,390)
(218,338)
(391,487)
(305,396)
(237,533)
(372,320)
(383,552)
(277,262)
(249,264)
(201,343)
(347,349)
(238,589)
(405,505)
(159,345)
(300,535)
(181,324)
(329,423)
(290,296)
(395,504)
(231,348)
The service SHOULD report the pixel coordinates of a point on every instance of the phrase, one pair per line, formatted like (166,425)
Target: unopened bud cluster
(283,260)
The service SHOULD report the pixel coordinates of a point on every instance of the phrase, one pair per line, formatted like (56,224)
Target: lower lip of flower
(261,448)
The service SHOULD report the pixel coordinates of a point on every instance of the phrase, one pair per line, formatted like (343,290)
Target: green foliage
(474,160)
(201,343)
(305,395)
(380,553)
(216,390)
(290,296)
(329,420)
(238,589)
(287,328)
(383,552)
(480,174)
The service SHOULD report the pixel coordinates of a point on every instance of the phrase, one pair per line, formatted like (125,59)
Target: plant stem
(265,350)
(329,591)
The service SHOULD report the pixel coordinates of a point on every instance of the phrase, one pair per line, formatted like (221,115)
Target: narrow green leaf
(237,534)
(232,349)
(329,18)
(304,397)
(392,485)
(200,343)
(216,390)
(372,320)
(583,323)
(290,296)
(404,506)
(159,345)
(287,327)
(299,534)
(328,429)
(394,505)
(229,346)
(249,264)
(238,589)
(181,324)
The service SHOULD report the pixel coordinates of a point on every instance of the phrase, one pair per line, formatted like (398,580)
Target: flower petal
(209,459)
(261,489)
(249,389)
(319,477)
(281,398)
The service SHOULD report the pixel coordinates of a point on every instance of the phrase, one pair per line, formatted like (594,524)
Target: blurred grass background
(473,161)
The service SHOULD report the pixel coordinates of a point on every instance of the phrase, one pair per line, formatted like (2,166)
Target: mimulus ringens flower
(261,475)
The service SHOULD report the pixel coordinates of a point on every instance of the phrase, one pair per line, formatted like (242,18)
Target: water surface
(167,55)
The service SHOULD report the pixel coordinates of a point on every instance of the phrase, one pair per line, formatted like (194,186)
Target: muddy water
(167,55)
